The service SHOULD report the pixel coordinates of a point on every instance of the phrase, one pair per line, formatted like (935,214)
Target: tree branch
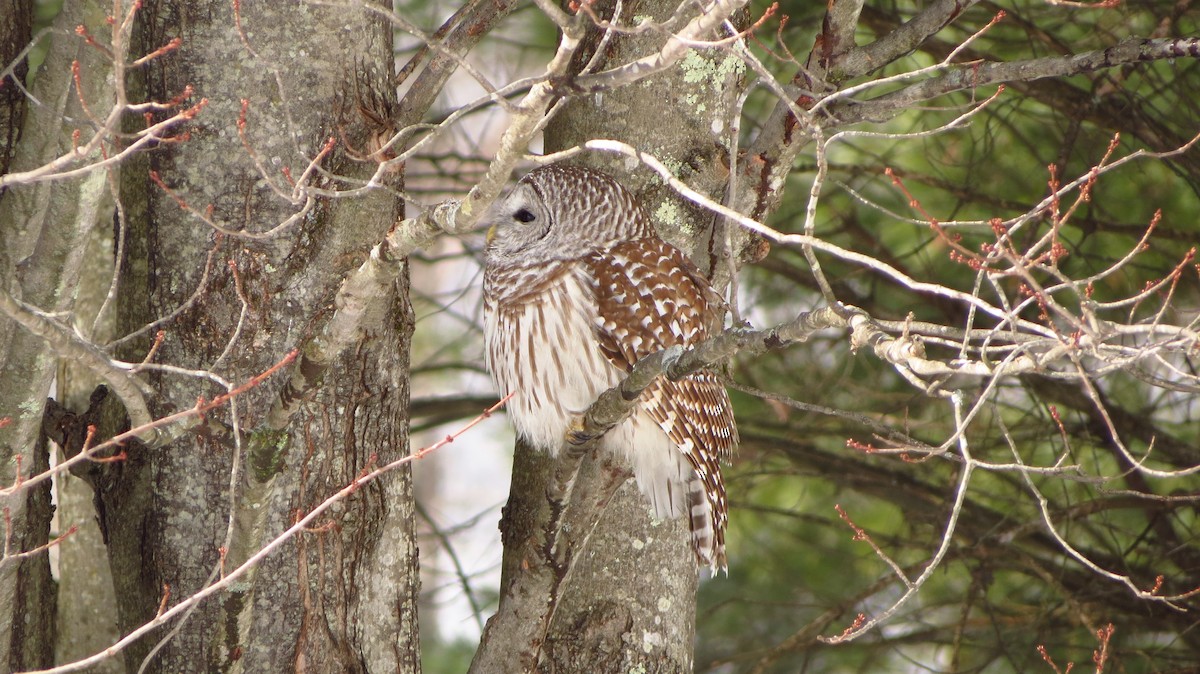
(837,30)
(903,40)
(974,75)
(64,343)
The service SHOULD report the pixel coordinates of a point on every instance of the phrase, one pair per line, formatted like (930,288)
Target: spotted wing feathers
(650,297)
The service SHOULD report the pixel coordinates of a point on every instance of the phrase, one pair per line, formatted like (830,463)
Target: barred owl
(577,288)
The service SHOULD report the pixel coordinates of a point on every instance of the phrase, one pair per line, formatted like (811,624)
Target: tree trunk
(86,623)
(342,596)
(15,34)
(43,232)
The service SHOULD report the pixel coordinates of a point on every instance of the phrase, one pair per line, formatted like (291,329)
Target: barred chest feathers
(540,346)
(577,288)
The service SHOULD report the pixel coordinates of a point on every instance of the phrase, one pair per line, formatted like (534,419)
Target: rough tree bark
(341,597)
(86,623)
(43,228)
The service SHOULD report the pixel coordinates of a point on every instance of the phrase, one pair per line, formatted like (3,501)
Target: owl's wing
(649,297)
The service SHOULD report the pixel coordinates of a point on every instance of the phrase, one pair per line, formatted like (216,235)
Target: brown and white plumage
(577,288)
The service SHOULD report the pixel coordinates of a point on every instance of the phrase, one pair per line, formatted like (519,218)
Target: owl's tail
(706,512)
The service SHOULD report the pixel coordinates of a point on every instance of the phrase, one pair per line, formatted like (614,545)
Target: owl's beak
(491,234)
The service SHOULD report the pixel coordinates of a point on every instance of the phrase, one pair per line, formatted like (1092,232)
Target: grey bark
(15,33)
(43,228)
(342,597)
(86,623)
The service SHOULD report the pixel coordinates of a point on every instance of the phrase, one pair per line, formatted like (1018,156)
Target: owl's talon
(576,435)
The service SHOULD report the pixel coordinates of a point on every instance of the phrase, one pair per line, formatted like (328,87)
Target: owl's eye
(524,215)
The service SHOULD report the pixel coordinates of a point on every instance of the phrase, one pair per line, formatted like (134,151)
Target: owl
(577,288)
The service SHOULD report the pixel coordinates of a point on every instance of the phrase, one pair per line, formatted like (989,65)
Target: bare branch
(976,75)
(67,344)
(905,39)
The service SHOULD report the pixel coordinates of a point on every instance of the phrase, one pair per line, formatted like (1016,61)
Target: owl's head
(563,212)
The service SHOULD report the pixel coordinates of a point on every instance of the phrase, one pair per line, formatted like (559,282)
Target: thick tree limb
(837,30)
(903,40)
(457,36)
(973,75)
(68,345)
